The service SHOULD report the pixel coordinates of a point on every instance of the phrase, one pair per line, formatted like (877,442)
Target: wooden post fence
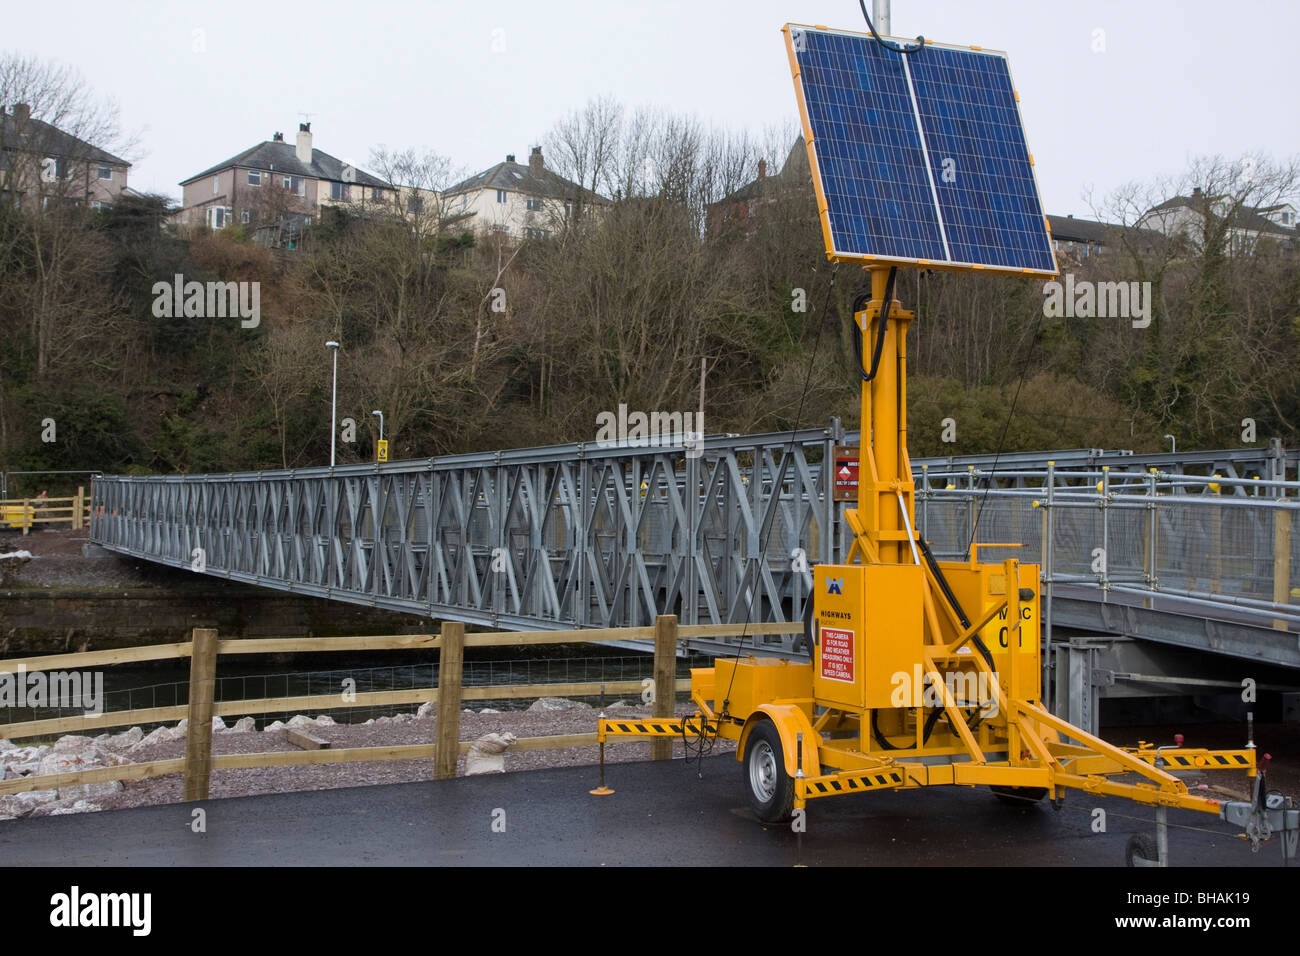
(198,737)
(665,668)
(451,657)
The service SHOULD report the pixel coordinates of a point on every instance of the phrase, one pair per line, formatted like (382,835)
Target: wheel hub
(762,771)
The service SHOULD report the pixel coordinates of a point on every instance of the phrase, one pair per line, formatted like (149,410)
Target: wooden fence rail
(205,648)
(25,512)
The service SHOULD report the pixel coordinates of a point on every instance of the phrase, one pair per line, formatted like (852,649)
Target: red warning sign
(836,653)
(846,473)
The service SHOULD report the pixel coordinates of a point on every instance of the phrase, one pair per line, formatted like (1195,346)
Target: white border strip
(929,172)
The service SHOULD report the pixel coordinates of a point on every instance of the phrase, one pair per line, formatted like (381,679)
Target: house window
(377,195)
(533,204)
(243,217)
(536,233)
(338,191)
(218,217)
(105,171)
(295,185)
(415,205)
(96,205)
(501,195)
(216,184)
(254,177)
(568,209)
(499,228)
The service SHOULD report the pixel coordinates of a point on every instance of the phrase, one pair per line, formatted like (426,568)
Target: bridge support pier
(1075,686)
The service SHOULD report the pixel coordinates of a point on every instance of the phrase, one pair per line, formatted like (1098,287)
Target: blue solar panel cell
(868,148)
(921,156)
(988,200)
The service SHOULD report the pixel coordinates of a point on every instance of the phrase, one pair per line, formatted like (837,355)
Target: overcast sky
(200,82)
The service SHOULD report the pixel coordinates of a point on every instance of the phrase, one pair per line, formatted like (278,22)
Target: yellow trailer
(926,673)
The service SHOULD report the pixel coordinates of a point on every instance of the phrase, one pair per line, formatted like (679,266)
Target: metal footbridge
(1193,550)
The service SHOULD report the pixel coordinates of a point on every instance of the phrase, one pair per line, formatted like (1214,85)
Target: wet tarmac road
(662,814)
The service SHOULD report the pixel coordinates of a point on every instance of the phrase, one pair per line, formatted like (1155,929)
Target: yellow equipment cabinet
(979,587)
(868,632)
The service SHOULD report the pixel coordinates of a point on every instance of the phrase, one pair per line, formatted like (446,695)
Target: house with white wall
(522,202)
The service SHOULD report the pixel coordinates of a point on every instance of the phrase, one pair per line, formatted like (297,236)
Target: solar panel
(918,159)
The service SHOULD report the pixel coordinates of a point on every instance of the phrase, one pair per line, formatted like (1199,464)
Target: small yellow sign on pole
(381,450)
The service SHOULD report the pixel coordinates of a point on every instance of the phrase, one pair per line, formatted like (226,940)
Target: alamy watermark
(1100,300)
(74,908)
(624,429)
(966,688)
(208,300)
(70,689)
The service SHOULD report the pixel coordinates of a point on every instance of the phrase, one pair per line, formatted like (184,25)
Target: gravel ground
(58,561)
(408,730)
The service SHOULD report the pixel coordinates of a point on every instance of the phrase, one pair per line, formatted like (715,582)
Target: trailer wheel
(1019,796)
(1140,846)
(771,789)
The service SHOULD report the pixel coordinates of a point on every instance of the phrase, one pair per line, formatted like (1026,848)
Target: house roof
(1069,229)
(795,170)
(1246,217)
(283,158)
(37,135)
(517,177)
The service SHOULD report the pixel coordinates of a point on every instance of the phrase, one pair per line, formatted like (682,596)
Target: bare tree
(584,146)
(52,138)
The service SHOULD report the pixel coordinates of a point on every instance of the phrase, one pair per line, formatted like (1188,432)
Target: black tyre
(1140,847)
(1019,796)
(770,788)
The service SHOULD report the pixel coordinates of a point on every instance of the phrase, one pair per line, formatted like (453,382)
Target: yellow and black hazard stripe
(1202,759)
(645,728)
(850,782)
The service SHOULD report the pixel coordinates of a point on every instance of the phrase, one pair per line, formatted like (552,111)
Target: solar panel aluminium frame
(823,205)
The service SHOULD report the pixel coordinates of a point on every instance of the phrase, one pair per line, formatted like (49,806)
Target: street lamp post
(381,423)
(334,399)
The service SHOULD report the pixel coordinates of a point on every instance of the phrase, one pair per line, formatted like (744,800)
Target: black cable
(1024,367)
(749,612)
(883,741)
(879,347)
(893,47)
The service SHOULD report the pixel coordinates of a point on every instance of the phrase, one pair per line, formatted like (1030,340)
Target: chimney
(535,165)
(762,169)
(303,148)
(1197,192)
(278,137)
(22,113)
(510,157)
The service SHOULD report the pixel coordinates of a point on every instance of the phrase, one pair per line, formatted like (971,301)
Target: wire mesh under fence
(946,523)
(1219,549)
(348,684)
(1080,536)
(58,695)
(1094,543)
